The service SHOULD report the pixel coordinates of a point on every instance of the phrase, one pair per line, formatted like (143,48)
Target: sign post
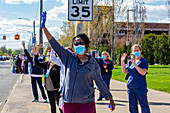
(34,40)
(80,10)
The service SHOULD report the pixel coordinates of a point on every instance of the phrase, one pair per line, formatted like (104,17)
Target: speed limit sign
(80,10)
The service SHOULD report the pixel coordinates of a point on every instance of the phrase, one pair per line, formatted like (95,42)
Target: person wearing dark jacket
(18,65)
(36,76)
(52,80)
(106,71)
(25,65)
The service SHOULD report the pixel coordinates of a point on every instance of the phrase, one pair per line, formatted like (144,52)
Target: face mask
(137,54)
(80,49)
(103,57)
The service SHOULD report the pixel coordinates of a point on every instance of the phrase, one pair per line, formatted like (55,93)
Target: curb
(2,104)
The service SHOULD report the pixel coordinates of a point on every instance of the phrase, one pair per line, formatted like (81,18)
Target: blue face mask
(103,57)
(137,54)
(80,49)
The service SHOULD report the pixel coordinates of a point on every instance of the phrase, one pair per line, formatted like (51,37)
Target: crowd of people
(70,73)
(19,64)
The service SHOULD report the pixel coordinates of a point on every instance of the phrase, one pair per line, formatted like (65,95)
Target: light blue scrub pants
(136,95)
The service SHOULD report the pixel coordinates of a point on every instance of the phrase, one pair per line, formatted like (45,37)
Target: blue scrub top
(135,79)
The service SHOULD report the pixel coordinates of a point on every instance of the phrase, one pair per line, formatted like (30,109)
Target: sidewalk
(20,99)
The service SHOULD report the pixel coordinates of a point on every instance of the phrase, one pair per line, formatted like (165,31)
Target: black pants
(34,87)
(54,96)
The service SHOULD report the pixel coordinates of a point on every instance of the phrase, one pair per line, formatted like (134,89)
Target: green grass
(158,77)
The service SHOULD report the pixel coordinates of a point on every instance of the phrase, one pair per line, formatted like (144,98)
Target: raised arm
(142,70)
(42,65)
(26,52)
(123,65)
(62,52)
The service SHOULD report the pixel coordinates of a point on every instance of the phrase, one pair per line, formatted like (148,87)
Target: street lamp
(33,29)
(128,42)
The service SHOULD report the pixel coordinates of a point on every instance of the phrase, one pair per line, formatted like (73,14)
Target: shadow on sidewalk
(156,103)
(108,103)
(117,90)
(121,101)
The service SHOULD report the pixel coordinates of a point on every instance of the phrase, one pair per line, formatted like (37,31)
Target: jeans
(34,87)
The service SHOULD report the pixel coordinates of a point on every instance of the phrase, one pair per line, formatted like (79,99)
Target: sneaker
(34,100)
(45,100)
(99,99)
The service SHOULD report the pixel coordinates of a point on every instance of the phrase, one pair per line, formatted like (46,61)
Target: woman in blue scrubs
(136,84)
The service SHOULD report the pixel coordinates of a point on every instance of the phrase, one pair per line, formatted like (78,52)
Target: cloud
(152,1)
(16,26)
(165,20)
(59,13)
(156,13)
(11,27)
(12,44)
(21,1)
(62,1)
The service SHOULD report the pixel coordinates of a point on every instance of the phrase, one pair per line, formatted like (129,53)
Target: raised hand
(23,43)
(43,19)
(35,51)
(123,57)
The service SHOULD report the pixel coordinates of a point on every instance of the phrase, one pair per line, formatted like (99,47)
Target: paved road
(7,80)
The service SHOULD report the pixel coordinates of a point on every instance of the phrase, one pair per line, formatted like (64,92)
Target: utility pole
(33,28)
(113,37)
(79,27)
(41,35)
(127,42)
(34,31)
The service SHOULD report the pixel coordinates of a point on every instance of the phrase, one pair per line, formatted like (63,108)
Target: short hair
(136,45)
(108,55)
(84,37)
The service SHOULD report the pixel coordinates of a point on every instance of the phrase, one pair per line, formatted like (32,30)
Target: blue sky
(12,10)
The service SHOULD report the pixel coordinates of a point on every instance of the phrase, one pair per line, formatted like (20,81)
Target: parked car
(1,58)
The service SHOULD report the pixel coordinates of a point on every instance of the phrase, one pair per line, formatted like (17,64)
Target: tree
(18,52)
(163,49)
(9,51)
(14,53)
(1,53)
(68,29)
(147,47)
(3,49)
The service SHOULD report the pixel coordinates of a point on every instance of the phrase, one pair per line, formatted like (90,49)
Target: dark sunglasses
(80,43)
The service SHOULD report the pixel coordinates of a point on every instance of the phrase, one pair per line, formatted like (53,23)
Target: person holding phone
(106,71)
(80,71)
(136,83)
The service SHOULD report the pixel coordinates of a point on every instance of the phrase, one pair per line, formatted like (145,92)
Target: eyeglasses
(80,43)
